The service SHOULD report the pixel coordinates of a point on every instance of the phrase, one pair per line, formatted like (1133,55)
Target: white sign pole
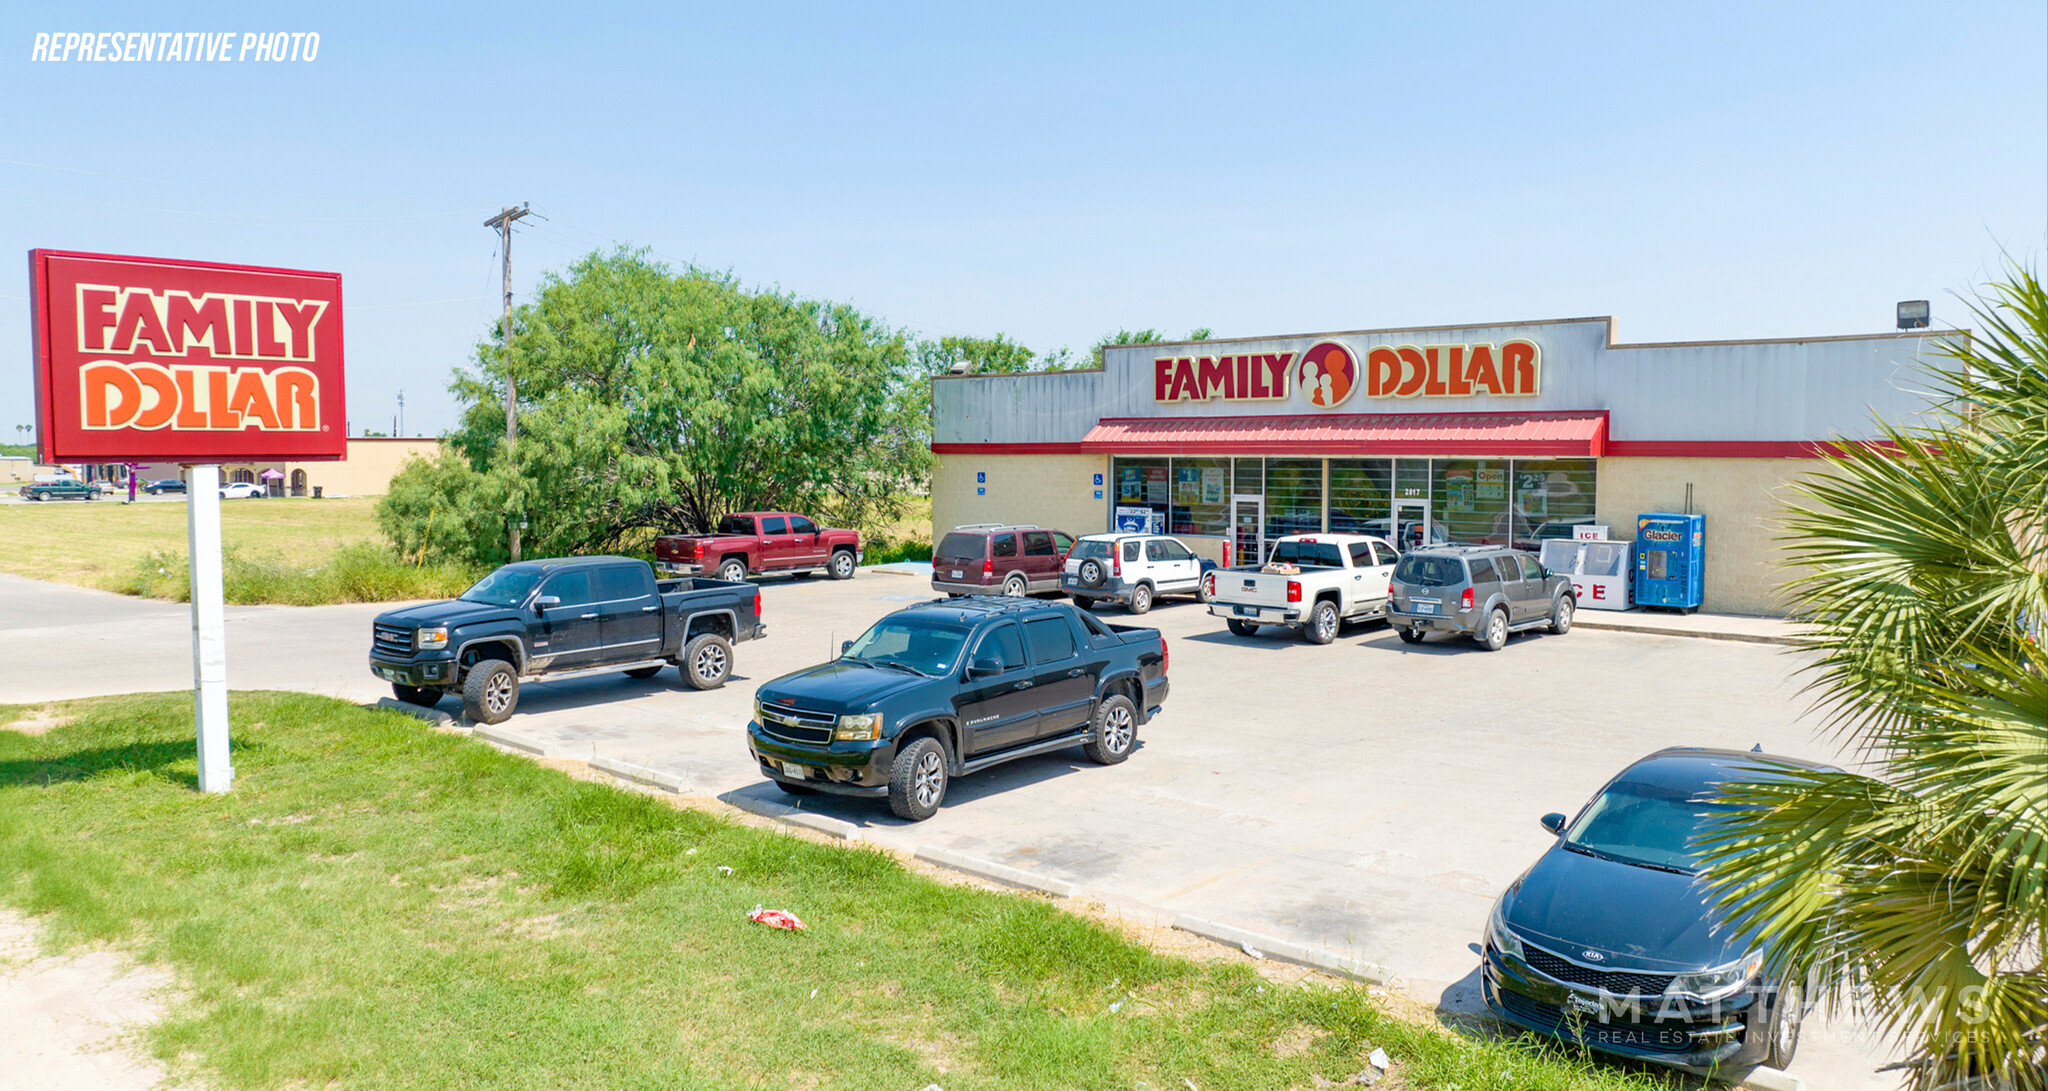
(209,628)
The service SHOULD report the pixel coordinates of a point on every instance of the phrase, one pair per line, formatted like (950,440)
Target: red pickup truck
(760,541)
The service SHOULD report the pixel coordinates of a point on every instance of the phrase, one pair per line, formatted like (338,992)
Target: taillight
(1165,657)
(1294,590)
(1465,603)
(757,605)
(1116,562)
(988,566)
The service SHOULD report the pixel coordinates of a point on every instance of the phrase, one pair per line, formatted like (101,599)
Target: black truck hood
(447,612)
(839,686)
(1571,903)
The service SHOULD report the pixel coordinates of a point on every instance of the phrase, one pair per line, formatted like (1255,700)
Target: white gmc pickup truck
(1335,578)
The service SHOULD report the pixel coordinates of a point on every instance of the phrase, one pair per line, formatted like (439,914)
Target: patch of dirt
(1298,1039)
(71,1021)
(39,721)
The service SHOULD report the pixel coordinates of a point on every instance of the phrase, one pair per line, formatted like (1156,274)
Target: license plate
(1582,1005)
(387,674)
(1247,611)
(955,574)
(1423,607)
(800,772)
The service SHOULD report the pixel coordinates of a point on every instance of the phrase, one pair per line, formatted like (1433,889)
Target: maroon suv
(1000,559)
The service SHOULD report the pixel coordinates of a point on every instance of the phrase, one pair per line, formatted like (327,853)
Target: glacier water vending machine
(1671,560)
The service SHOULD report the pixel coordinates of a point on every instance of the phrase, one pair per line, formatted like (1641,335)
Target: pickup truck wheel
(1141,599)
(1495,635)
(643,672)
(416,695)
(917,780)
(733,571)
(1561,615)
(1321,627)
(1242,628)
(491,692)
(1410,635)
(841,567)
(1015,587)
(707,661)
(1116,731)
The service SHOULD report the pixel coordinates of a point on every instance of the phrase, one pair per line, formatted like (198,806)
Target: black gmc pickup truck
(951,687)
(562,618)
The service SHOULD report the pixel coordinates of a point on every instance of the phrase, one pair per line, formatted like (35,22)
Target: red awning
(1481,434)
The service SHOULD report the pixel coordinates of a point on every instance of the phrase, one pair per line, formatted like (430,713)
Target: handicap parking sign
(980,477)
(1098,481)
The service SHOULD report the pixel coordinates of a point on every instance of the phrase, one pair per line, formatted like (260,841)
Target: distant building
(371,464)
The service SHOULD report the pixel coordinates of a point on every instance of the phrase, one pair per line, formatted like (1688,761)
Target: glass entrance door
(1412,526)
(1247,520)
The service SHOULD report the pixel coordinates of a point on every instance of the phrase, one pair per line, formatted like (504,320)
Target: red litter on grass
(776,918)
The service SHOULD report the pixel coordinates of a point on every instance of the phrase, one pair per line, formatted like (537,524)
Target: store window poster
(1130,484)
(1155,485)
(1187,485)
(1212,485)
(1458,489)
(1492,484)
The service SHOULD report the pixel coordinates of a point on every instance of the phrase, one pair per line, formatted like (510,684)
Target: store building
(1493,434)
(367,471)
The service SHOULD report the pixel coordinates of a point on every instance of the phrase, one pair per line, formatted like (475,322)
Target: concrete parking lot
(1367,796)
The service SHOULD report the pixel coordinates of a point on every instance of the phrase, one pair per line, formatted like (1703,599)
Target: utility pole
(503,222)
(399,428)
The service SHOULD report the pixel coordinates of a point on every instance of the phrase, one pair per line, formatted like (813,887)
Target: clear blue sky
(1056,171)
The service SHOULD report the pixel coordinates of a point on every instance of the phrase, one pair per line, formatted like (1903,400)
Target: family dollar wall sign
(1329,372)
(149,360)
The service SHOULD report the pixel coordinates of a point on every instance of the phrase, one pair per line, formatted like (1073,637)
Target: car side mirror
(985,667)
(541,604)
(845,646)
(1553,822)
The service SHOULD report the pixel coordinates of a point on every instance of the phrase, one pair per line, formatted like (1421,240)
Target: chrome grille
(1618,982)
(391,639)
(1587,1029)
(797,725)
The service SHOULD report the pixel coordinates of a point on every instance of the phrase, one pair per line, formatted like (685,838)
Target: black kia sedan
(1611,941)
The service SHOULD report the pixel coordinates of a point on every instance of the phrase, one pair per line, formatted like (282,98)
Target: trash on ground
(1247,948)
(776,918)
(724,870)
(1378,1059)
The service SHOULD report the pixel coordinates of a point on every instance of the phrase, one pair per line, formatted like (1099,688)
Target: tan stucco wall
(1056,491)
(1743,500)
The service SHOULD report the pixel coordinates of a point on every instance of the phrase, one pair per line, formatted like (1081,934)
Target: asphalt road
(1366,796)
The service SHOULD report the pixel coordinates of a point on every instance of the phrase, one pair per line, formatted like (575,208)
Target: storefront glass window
(1411,478)
(1470,499)
(1360,495)
(1142,483)
(1551,497)
(1250,481)
(1201,497)
(1294,496)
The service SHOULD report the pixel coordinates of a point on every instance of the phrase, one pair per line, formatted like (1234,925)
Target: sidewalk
(1753,630)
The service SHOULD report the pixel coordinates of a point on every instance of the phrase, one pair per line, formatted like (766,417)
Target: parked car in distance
(65,488)
(1000,559)
(242,490)
(951,687)
(761,541)
(168,484)
(1609,940)
(1335,578)
(1133,569)
(538,621)
(1484,592)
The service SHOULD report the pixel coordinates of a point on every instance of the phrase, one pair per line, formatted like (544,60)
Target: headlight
(864,727)
(1714,984)
(436,637)
(1497,934)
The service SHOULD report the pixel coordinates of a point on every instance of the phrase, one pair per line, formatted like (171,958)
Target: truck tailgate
(1249,587)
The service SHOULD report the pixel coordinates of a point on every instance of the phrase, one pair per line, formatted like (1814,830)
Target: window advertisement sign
(1131,520)
(160,360)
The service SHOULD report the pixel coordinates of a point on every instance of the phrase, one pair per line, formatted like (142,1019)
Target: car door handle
(1076,672)
(585,617)
(649,609)
(1026,684)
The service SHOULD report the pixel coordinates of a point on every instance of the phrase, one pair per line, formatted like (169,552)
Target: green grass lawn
(378,905)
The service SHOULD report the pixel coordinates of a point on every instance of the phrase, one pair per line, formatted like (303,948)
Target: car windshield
(1089,547)
(910,642)
(508,586)
(1430,571)
(1647,824)
(1310,553)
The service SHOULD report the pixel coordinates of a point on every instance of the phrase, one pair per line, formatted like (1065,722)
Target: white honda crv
(1134,569)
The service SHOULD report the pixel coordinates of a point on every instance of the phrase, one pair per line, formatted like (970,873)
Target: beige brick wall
(1742,499)
(1055,491)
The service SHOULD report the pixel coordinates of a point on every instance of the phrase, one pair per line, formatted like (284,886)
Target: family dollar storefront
(1494,434)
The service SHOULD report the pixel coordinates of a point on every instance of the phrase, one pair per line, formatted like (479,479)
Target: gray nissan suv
(1484,592)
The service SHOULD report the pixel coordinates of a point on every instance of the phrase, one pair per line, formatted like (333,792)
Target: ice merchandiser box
(1671,560)
(1600,571)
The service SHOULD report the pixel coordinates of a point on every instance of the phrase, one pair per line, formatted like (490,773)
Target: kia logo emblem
(1595,956)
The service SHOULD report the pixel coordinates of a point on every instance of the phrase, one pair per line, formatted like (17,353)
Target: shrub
(356,573)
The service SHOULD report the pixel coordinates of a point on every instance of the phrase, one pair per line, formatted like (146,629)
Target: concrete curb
(641,774)
(1761,1078)
(825,824)
(512,740)
(1585,620)
(1315,958)
(884,570)
(431,715)
(1001,873)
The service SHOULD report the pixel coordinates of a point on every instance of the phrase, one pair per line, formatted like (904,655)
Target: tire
(732,570)
(1116,731)
(1242,628)
(841,565)
(1785,1022)
(1084,602)
(917,780)
(1410,635)
(1322,624)
(416,695)
(1561,615)
(1141,599)
(1015,587)
(1202,589)
(1494,636)
(707,661)
(1091,573)
(789,789)
(491,692)
(643,672)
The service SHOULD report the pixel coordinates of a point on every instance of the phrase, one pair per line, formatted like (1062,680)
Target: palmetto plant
(1918,896)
